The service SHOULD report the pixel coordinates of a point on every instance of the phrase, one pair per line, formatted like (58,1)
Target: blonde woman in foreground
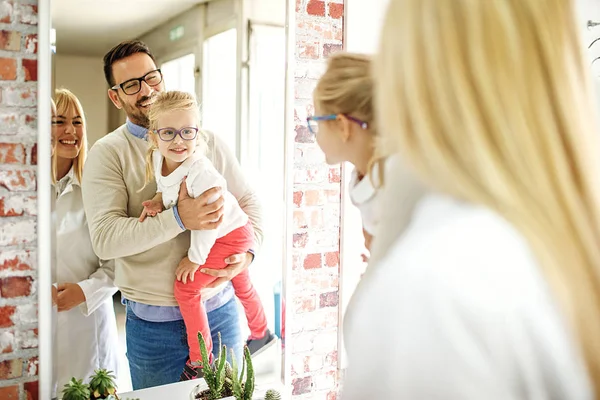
(493,290)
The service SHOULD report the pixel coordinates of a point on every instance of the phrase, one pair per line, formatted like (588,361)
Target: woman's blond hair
(346,87)
(167,102)
(65,100)
(491,102)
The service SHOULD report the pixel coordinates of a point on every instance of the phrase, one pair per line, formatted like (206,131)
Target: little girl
(343,125)
(176,152)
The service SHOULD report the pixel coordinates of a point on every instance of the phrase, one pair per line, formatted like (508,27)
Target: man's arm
(225,162)
(114,233)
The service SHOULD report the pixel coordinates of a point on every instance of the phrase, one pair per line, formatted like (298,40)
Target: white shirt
(363,194)
(86,336)
(201,176)
(459,310)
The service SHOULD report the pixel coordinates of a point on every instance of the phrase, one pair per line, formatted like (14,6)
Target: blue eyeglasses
(313,120)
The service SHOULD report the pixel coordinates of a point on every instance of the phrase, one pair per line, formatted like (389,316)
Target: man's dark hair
(121,51)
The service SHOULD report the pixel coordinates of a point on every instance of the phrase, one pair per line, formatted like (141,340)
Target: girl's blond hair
(346,87)
(167,102)
(490,101)
(65,100)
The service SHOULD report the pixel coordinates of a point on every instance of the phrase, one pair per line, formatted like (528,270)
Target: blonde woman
(86,336)
(493,290)
(345,130)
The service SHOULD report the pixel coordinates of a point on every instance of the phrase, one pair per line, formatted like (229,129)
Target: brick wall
(313,318)
(18,124)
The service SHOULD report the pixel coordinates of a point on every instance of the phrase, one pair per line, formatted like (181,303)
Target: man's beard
(134,114)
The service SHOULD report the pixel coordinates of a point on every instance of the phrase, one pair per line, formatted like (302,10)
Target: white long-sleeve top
(460,310)
(201,176)
(86,336)
(363,194)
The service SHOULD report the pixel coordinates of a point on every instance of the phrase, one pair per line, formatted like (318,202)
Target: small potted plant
(76,390)
(223,380)
(102,385)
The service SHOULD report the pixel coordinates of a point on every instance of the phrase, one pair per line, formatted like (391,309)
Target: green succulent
(272,395)
(102,384)
(215,373)
(76,390)
(243,390)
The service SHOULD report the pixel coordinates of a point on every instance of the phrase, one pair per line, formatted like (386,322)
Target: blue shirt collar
(136,130)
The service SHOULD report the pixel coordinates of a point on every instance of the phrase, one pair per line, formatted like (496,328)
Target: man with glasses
(148,253)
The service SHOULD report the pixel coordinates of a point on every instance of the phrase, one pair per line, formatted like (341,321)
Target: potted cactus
(223,380)
(102,385)
(76,390)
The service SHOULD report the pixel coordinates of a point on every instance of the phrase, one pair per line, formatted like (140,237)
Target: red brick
(15,286)
(301,385)
(312,261)
(306,304)
(31,390)
(303,135)
(7,342)
(309,50)
(332,259)
(10,40)
(9,122)
(31,367)
(11,369)
(19,96)
(316,219)
(336,10)
(28,14)
(31,43)
(15,205)
(30,121)
(330,48)
(328,299)
(17,181)
(16,260)
(6,314)
(314,197)
(334,175)
(20,231)
(298,198)
(12,153)
(9,393)
(6,12)
(315,7)
(33,158)
(30,68)
(300,240)
(8,69)
(300,220)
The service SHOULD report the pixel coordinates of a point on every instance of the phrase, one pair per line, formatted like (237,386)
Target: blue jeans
(158,351)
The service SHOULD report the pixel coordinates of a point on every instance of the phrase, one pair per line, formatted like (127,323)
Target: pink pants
(190,301)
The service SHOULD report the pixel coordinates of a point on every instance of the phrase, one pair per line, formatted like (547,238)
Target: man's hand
(197,214)
(186,270)
(236,264)
(151,208)
(70,295)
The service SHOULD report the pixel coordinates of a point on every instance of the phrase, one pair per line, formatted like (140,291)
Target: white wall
(364,20)
(85,78)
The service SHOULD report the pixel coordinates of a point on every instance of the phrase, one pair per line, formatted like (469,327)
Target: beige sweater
(146,254)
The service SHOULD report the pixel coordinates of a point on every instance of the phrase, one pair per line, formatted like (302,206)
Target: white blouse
(459,310)
(201,176)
